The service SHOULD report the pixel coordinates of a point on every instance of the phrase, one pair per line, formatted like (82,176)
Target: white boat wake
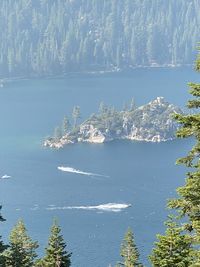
(110,207)
(5,176)
(72,170)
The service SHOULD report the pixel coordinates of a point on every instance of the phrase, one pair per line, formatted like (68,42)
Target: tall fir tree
(22,250)
(188,201)
(129,251)
(56,254)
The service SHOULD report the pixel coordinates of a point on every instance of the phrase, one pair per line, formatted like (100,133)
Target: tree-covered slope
(40,37)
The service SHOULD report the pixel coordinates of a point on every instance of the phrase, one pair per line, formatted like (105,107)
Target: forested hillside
(43,37)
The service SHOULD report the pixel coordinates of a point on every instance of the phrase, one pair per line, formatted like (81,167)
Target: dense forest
(47,37)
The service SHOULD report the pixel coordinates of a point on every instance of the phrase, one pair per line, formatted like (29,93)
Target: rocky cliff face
(151,123)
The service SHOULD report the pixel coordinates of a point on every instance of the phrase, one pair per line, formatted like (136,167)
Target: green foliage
(21,251)
(174,248)
(129,251)
(51,37)
(1,217)
(56,254)
(2,257)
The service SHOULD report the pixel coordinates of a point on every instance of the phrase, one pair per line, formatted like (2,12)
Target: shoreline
(61,145)
(93,72)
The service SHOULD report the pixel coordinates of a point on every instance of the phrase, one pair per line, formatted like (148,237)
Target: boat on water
(5,176)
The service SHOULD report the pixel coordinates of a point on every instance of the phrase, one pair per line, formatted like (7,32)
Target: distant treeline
(45,37)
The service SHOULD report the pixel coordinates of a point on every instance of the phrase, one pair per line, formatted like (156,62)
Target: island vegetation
(152,122)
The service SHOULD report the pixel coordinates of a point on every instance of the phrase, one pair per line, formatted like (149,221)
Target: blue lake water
(141,174)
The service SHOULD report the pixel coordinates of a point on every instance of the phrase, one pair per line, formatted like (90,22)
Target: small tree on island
(22,250)
(57,133)
(66,125)
(56,254)
(102,108)
(76,114)
(133,104)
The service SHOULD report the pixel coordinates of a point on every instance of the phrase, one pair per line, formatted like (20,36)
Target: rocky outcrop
(151,123)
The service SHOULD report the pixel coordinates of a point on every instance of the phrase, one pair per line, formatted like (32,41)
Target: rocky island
(152,122)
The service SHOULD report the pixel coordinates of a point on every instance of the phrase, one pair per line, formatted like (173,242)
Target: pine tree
(57,133)
(102,108)
(129,251)
(133,105)
(56,254)
(66,125)
(76,115)
(21,251)
(174,248)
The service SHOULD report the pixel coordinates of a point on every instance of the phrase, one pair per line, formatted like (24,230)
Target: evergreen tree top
(56,254)
(174,248)
(129,251)
(21,251)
